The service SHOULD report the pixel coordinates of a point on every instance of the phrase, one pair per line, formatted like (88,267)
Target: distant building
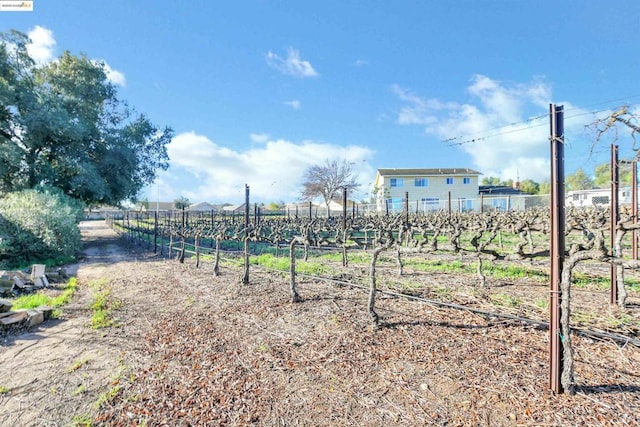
(427,189)
(596,197)
(202,207)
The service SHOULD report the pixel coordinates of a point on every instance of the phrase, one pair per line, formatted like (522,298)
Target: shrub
(38,225)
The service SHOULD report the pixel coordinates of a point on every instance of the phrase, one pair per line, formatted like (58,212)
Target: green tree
(579,180)
(603,174)
(38,225)
(181,203)
(544,187)
(530,186)
(326,180)
(491,180)
(62,125)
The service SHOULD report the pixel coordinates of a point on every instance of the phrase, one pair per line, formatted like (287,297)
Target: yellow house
(426,189)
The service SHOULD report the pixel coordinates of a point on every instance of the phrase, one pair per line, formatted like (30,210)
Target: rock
(34,317)
(5,305)
(14,318)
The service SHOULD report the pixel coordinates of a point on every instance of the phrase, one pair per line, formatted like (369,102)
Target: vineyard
(414,256)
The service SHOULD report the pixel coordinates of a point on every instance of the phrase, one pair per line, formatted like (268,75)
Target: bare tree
(622,116)
(327,179)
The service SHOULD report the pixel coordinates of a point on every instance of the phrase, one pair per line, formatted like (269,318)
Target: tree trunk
(245,278)
(216,263)
(292,270)
(372,288)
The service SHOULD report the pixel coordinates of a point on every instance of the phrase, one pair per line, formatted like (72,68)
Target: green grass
(103,305)
(81,421)
(78,364)
(4,389)
(108,396)
(39,298)
(505,300)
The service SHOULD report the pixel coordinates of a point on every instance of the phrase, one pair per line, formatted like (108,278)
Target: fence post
(634,208)
(245,279)
(557,247)
(155,232)
(615,217)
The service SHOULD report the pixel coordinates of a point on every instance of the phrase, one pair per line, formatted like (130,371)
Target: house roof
(202,206)
(503,190)
(431,171)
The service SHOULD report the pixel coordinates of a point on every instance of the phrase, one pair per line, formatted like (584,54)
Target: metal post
(155,232)
(615,217)
(481,202)
(557,247)
(449,203)
(245,279)
(634,207)
(344,208)
(406,205)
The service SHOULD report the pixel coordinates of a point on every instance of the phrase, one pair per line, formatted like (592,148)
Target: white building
(426,189)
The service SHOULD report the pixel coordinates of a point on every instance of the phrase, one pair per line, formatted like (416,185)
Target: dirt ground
(189,348)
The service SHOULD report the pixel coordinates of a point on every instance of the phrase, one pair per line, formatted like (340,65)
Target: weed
(77,364)
(4,389)
(107,396)
(542,303)
(81,421)
(79,390)
(442,292)
(102,306)
(39,299)
(506,300)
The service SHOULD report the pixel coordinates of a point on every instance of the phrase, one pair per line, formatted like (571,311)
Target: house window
(421,182)
(395,205)
(396,182)
(449,181)
(466,180)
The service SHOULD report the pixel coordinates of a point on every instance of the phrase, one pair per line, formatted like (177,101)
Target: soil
(188,348)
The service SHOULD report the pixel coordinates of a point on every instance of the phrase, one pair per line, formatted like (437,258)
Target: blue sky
(257,91)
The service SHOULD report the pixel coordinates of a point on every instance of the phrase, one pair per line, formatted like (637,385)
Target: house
(503,197)
(596,197)
(202,207)
(426,189)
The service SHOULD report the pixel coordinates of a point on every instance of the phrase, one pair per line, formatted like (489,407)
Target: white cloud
(360,63)
(274,170)
(42,44)
(503,127)
(114,76)
(295,104)
(292,65)
(259,137)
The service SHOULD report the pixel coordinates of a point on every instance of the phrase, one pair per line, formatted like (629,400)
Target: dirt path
(54,374)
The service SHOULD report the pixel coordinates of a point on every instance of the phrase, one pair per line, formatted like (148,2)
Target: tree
(544,187)
(579,180)
(491,180)
(181,202)
(62,125)
(603,174)
(326,180)
(530,186)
